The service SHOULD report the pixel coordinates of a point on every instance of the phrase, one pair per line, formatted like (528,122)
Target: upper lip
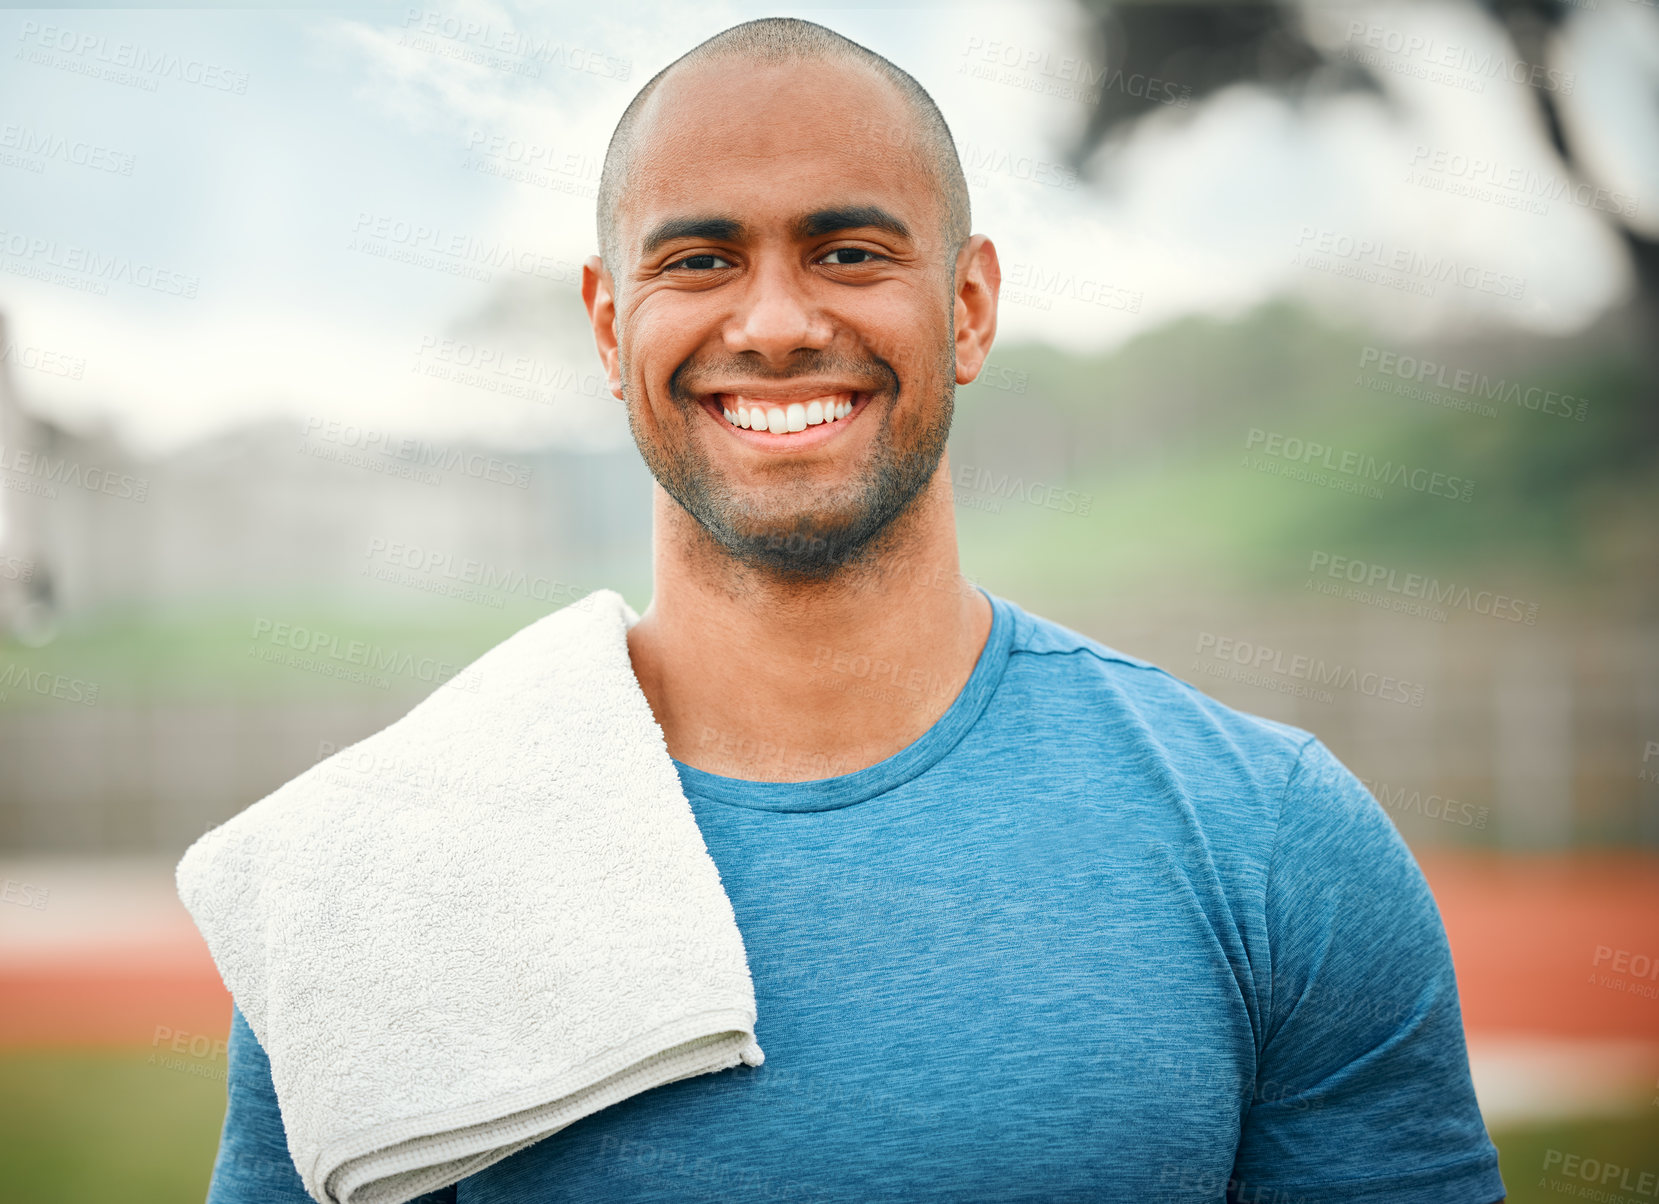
(785,391)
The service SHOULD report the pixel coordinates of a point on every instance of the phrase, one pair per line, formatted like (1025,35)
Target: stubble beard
(790,534)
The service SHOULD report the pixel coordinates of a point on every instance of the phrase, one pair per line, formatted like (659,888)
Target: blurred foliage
(1155,434)
(1206,46)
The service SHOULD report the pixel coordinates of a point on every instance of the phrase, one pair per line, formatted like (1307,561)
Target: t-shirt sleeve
(1362,1079)
(254,1166)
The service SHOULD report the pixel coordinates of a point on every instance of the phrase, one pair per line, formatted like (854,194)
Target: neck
(752,677)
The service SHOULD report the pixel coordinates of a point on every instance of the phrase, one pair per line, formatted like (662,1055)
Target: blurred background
(1327,378)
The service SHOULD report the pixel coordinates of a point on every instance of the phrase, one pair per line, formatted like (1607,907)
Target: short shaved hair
(785,39)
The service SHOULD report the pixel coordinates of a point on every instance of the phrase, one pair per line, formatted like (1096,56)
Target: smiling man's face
(785,316)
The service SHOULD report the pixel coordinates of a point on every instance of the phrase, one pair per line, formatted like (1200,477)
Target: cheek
(908,331)
(661,334)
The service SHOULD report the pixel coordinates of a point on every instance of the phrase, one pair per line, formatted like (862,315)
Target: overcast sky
(209,217)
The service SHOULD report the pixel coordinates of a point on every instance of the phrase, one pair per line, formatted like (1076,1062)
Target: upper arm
(254,1165)
(1362,1086)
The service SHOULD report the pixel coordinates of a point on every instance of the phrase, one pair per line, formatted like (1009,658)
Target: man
(1028,919)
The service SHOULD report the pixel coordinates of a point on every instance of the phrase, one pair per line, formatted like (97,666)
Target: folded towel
(479,925)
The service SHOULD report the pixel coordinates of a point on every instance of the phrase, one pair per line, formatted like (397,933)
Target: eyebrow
(850,217)
(812,225)
(713,229)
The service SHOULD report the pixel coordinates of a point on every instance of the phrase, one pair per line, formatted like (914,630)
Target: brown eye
(701,263)
(858,255)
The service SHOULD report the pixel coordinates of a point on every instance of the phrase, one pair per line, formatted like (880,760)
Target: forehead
(765,144)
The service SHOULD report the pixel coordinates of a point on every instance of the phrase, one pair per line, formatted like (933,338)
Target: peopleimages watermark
(1038,287)
(365,770)
(84,270)
(696,1172)
(1409,593)
(25,894)
(1374,261)
(435,571)
(1349,1004)
(486,45)
(493,370)
(1065,76)
(1600,1173)
(980,163)
(1193,1074)
(1411,375)
(325,653)
(1002,378)
(44,684)
(205,1054)
(542,165)
(981,488)
(1410,801)
(15,568)
(1351,471)
(831,1093)
(1428,58)
(31,150)
(1478,178)
(25,470)
(129,64)
(1298,674)
(46,360)
(852,672)
(1622,970)
(746,752)
(399,240)
(1212,1182)
(380,451)
(939,579)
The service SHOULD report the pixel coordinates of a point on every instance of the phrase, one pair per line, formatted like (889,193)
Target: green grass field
(101,1127)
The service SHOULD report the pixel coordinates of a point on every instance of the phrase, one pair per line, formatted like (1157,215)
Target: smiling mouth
(786,417)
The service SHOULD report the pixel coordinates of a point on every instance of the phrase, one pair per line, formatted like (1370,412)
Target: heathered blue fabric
(1093,937)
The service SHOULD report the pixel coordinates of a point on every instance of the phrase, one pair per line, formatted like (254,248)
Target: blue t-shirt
(1094,936)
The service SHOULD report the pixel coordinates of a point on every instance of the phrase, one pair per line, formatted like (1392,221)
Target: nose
(776,315)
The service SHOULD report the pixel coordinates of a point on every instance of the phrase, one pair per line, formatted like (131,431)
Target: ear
(978,280)
(600,299)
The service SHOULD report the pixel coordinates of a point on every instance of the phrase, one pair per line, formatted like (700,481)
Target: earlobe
(600,301)
(978,281)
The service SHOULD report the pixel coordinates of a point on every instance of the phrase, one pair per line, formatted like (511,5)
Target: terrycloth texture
(479,925)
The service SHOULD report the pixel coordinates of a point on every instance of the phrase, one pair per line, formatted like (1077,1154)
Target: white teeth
(792,417)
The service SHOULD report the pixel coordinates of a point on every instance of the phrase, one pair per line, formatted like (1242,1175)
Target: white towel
(479,925)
